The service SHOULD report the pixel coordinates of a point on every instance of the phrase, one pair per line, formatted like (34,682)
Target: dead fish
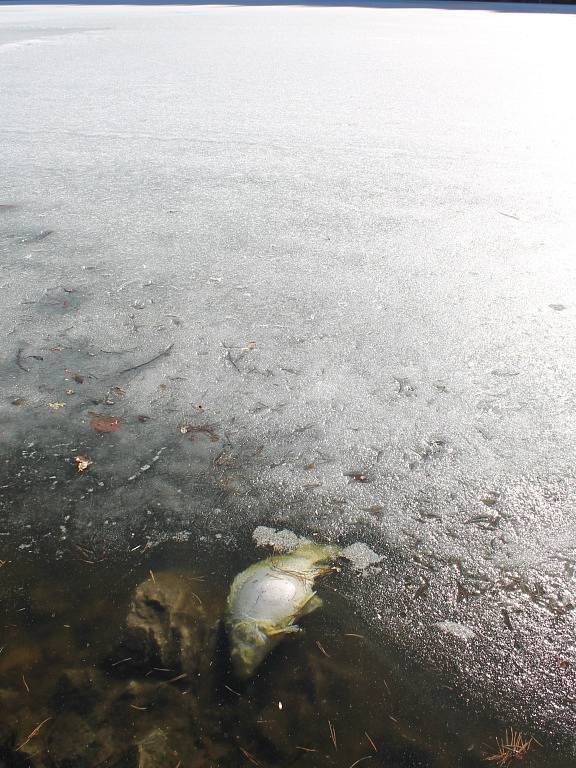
(268,597)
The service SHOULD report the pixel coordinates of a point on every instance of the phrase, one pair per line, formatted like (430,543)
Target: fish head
(249,645)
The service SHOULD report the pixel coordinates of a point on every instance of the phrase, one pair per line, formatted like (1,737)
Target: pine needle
(250,757)
(333,736)
(33,733)
(370,741)
(178,677)
(361,760)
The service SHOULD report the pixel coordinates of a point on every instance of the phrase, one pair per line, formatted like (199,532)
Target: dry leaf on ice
(102,423)
(82,462)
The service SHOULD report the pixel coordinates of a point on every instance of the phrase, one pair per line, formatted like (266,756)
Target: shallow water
(76,660)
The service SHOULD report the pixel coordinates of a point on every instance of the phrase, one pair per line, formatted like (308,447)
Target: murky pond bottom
(123,661)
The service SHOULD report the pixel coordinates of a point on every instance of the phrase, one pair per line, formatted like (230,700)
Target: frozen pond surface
(312,269)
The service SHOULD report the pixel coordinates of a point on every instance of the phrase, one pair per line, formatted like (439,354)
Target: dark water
(121,661)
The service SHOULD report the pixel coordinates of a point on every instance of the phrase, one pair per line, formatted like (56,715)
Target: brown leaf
(250,345)
(19,401)
(78,378)
(102,423)
(82,463)
(357,477)
(309,466)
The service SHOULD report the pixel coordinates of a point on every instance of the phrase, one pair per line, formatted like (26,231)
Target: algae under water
(122,661)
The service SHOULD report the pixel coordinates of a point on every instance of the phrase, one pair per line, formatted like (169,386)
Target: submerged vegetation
(513,746)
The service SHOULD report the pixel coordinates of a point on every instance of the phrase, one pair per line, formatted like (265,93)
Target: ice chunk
(360,556)
(282,541)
